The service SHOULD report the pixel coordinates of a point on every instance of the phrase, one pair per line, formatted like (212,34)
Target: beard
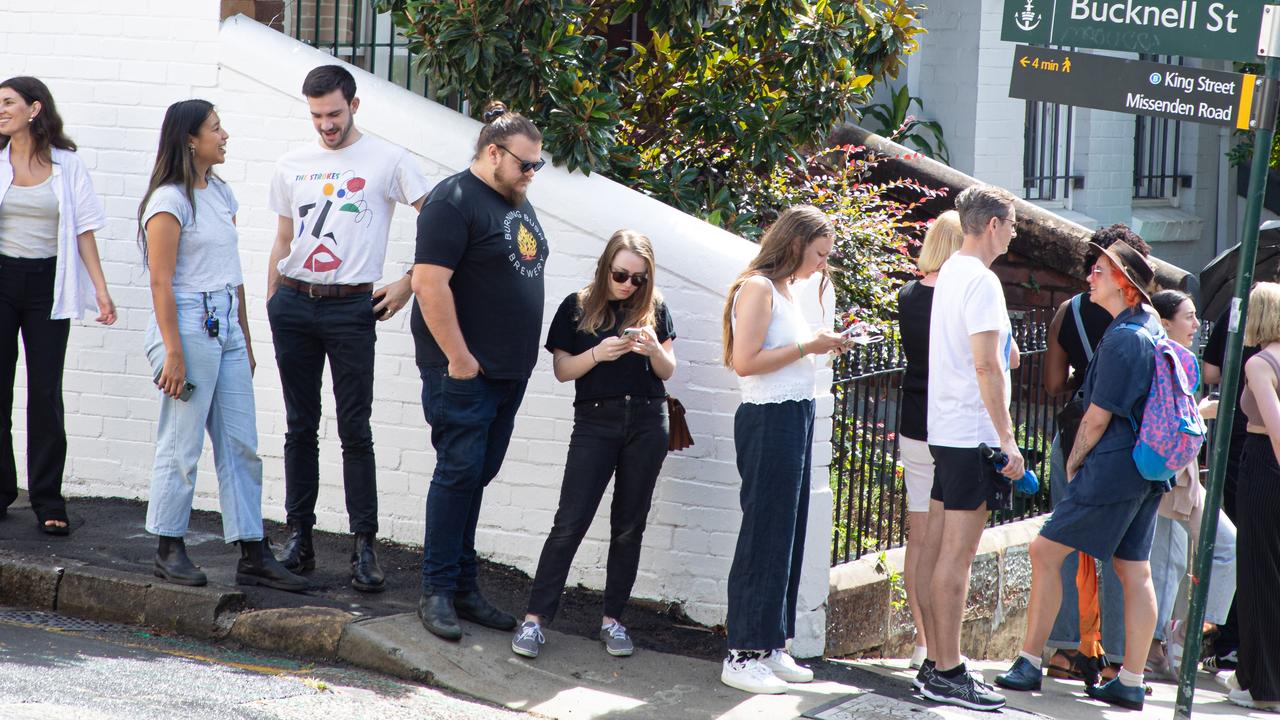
(510,187)
(343,134)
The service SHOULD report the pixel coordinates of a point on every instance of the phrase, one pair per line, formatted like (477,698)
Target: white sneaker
(751,676)
(784,667)
(917,656)
(1244,699)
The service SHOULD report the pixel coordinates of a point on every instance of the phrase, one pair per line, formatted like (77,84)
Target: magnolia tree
(711,110)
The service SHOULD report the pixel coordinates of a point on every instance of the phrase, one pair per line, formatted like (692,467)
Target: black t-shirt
(630,374)
(1096,321)
(915,303)
(497,253)
(1215,353)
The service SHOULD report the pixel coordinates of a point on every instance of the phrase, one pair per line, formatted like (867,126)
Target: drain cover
(54,621)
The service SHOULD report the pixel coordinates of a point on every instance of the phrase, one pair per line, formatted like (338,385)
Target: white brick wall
(114,67)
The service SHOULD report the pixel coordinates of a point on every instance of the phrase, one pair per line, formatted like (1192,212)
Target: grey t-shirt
(208,248)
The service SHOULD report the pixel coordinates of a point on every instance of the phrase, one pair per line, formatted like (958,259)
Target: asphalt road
(54,668)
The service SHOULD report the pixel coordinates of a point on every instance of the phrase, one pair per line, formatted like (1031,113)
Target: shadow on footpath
(109,533)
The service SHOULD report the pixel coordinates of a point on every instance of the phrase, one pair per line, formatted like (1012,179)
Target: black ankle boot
(173,565)
(366,573)
(437,615)
(299,553)
(258,566)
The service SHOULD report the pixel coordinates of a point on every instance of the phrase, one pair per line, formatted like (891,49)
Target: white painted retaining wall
(114,66)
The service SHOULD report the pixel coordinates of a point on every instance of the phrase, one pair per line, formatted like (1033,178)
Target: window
(1046,152)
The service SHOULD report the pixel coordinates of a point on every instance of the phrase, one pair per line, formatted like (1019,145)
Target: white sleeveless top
(787,327)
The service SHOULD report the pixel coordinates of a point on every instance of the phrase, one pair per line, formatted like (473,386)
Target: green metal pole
(1229,393)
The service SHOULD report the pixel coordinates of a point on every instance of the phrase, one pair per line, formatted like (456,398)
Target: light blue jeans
(1169,567)
(1065,634)
(222,404)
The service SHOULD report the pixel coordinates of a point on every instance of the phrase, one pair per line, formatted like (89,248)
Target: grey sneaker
(616,641)
(527,640)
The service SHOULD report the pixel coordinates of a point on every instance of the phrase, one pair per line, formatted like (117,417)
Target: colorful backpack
(1172,429)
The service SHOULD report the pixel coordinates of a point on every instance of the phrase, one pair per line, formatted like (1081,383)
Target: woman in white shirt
(49,273)
(767,342)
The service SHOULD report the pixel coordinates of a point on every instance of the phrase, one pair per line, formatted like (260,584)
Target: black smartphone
(379,314)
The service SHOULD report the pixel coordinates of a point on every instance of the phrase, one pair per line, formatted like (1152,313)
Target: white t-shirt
(967,300)
(341,202)
(208,243)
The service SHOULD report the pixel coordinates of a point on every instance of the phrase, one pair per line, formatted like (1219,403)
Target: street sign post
(1133,86)
(1218,29)
(1240,30)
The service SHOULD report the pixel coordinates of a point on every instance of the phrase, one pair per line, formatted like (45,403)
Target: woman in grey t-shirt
(198,346)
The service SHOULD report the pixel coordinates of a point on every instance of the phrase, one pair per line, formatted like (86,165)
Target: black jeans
(26,299)
(305,331)
(471,422)
(622,437)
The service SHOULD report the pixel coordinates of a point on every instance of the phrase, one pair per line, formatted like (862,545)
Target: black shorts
(962,480)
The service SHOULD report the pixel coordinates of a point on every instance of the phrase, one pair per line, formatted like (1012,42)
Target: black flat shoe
(438,616)
(474,607)
(47,529)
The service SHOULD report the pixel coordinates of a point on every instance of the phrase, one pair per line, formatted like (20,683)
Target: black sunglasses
(525,165)
(621,276)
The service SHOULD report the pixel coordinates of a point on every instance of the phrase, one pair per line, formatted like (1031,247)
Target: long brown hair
(637,310)
(781,253)
(174,162)
(46,128)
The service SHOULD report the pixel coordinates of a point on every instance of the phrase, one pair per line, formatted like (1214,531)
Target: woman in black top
(613,339)
(915,303)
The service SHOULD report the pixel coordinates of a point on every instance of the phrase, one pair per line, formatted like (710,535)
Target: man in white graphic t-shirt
(971,351)
(334,200)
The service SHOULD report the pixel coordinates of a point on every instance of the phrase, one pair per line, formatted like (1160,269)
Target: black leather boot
(299,553)
(366,573)
(473,606)
(258,566)
(438,617)
(173,565)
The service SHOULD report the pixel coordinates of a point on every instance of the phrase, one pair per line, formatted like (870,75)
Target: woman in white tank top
(768,344)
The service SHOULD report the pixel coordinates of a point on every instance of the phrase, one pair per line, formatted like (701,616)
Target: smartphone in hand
(187,387)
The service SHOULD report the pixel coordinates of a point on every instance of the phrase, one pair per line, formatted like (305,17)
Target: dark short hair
(325,79)
(1119,232)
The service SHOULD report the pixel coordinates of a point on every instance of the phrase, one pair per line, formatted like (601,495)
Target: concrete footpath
(103,572)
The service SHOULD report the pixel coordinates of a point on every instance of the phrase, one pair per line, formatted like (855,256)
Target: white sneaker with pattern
(751,675)
(785,668)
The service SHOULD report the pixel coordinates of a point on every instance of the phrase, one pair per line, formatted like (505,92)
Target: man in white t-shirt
(335,200)
(971,350)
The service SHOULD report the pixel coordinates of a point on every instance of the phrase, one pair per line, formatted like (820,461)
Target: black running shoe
(963,691)
(922,675)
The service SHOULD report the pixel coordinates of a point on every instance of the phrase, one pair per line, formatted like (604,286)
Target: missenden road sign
(1222,29)
(1133,86)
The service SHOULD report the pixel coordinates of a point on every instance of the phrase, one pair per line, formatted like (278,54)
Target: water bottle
(1028,484)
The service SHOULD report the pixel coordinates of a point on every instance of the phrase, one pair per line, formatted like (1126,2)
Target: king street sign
(1133,86)
(1220,29)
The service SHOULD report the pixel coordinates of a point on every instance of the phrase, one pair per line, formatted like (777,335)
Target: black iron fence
(353,31)
(866,477)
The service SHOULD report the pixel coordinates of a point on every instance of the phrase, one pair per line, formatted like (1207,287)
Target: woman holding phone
(613,339)
(769,344)
(198,346)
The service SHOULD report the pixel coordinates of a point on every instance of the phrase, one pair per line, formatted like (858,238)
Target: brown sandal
(1077,667)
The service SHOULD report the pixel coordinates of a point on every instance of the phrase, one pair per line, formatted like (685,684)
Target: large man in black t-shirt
(478,278)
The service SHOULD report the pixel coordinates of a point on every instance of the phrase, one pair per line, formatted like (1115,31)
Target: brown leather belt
(325,291)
